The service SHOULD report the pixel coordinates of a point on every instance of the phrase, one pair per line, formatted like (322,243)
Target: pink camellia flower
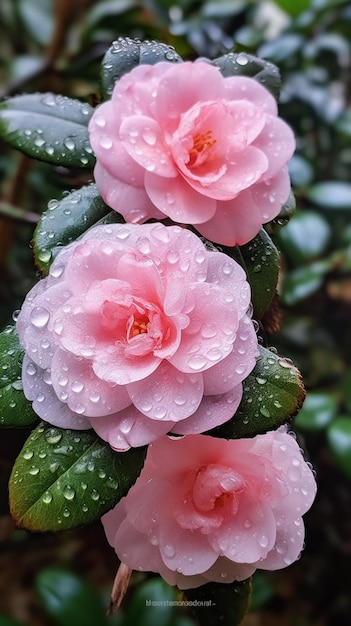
(206,509)
(182,141)
(137,331)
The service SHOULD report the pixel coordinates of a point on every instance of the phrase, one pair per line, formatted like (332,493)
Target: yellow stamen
(202,143)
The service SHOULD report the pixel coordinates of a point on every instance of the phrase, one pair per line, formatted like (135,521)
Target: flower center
(137,325)
(203,143)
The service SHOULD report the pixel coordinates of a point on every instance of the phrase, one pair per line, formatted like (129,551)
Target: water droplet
(197,362)
(242,59)
(106,142)
(149,136)
(208,331)
(47,498)
(39,317)
(169,551)
(34,470)
(263,541)
(69,493)
(69,143)
(77,386)
(261,381)
(53,436)
(28,454)
(95,495)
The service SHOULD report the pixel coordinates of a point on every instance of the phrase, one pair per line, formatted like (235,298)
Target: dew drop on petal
(196,362)
(39,317)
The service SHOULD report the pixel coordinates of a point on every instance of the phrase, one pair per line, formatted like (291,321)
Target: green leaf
(6,620)
(339,438)
(243,64)
(48,127)
(69,599)
(216,603)
(151,604)
(261,263)
(39,13)
(272,394)
(126,53)
(64,478)
(301,283)
(305,237)
(294,7)
(331,195)
(318,411)
(262,590)
(15,409)
(67,219)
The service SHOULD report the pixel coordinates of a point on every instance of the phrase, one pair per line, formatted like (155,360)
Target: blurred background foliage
(57,45)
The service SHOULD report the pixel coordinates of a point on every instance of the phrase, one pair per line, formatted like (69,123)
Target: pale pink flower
(206,509)
(137,331)
(182,141)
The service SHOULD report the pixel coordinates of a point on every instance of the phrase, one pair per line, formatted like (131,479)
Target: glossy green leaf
(64,478)
(272,394)
(318,411)
(243,64)
(126,53)
(68,599)
(339,438)
(301,283)
(261,263)
(216,603)
(15,409)
(331,195)
(48,127)
(67,219)
(305,237)
(151,604)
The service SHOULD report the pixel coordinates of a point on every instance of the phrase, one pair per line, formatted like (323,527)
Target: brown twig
(120,587)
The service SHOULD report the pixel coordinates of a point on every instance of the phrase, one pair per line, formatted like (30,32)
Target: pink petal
(277,141)
(230,276)
(288,545)
(135,93)
(248,536)
(177,545)
(167,394)
(213,411)
(226,571)
(199,82)
(144,141)
(245,88)
(176,199)
(230,372)
(235,222)
(110,152)
(244,170)
(131,201)
(205,342)
(271,194)
(129,429)
(37,387)
(76,384)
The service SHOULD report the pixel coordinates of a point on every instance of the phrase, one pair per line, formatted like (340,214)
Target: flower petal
(143,139)
(37,387)
(167,394)
(175,198)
